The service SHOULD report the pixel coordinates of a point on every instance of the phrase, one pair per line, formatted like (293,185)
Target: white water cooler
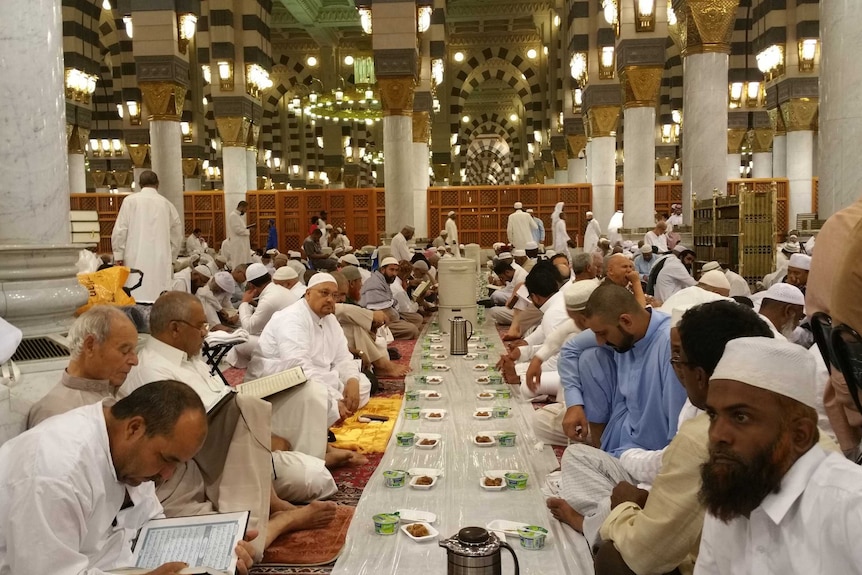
(457,292)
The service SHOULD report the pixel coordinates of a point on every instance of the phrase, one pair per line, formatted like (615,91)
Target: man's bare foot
(564,513)
(315,515)
(511,336)
(386,368)
(336,457)
(276,503)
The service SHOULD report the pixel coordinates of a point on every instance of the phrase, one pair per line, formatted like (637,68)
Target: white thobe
(675,220)
(324,238)
(452,232)
(738,285)
(298,290)
(239,244)
(147,236)
(809,526)
(672,278)
(297,336)
(195,245)
(212,304)
(519,229)
(403,303)
(61,502)
(400,251)
(273,298)
(659,241)
(561,237)
(299,268)
(554,314)
(592,235)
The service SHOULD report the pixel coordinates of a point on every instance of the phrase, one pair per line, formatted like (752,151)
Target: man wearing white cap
(215,298)
(672,273)
(539,232)
(239,238)
(738,285)
(377,296)
(295,262)
(592,233)
(782,258)
(713,286)
(452,232)
(644,262)
(399,248)
(270,298)
(287,278)
(675,218)
(308,335)
(352,260)
(195,243)
(560,235)
(190,280)
(520,226)
(658,237)
(797,270)
(783,306)
(776,502)
(440,241)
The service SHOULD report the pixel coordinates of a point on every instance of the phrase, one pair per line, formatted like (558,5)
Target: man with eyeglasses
(307,334)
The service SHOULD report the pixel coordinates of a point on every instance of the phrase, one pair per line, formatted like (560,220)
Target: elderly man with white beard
(783,307)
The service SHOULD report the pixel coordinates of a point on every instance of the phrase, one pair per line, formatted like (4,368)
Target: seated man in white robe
(75,490)
(173,353)
(287,278)
(215,297)
(190,280)
(308,335)
(260,301)
(352,260)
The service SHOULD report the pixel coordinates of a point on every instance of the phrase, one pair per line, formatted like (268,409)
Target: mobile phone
(376,417)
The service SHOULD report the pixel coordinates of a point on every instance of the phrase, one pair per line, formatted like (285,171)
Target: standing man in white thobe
(562,240)
(539,232)
(147,236)
(592,233)
(239,239)
(452,234)
(520,227)
(400,251)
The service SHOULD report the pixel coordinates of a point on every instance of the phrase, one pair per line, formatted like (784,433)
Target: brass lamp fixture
(611,12)
(365,20)
(606,63)
(134,112)
(645,15)
(745,95)
(225,75)
(770,61)
(257,80)
(807,52)
(186,26)
(578,66)
(423,18)
(79,85)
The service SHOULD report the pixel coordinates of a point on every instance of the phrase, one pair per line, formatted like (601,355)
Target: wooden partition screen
(107,206)
(483,211)
(205,210)
(360,211)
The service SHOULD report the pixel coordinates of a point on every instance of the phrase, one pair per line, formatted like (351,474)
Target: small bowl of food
(438,356)
(516,480)
(483,380)
(486,395)
(434,414)
(433,395)
(438,347)
(420,532)
(483,414)
(427,441)
(532,537)
(385,523)
(423,482)
(480,366)
(434,380)
(394,478)
(492,483)
(470,356)
(483,440)
(440,367)
(405,439)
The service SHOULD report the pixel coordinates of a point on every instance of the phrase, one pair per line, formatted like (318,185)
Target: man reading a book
(75,490)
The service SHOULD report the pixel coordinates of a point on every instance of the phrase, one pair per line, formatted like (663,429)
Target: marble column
(251,168)
(602,112)
(166,142)
(234,175)
(137,176)
(761,145)
(798,104)
(577,172)
(421,134)
(77,173)
(840,110)
(576,144)
(706,29)
(38,288)
(397,99)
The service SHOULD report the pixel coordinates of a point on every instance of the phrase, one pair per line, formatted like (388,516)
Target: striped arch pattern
(493,123)
(286,74)
(487,65)
(489,162)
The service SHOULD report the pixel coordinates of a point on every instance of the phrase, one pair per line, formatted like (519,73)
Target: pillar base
(39,289)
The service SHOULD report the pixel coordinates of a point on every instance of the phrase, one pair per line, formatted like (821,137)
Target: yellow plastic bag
(105,287)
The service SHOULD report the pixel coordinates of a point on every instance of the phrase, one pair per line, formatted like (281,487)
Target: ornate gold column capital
(800,114)
(192,167)
(665,164)
(138,154)
(561,160)
(76,139)
(441,171)
(233,130)
(777,121)
(396,95)
(164,100)
(334,173)
(421,127)
(601,121)
(640,86)
(734,139)
(123,178)
(576,144)
(705,25)
(761,140)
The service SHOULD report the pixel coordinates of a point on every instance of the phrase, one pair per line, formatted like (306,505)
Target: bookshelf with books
(738,231)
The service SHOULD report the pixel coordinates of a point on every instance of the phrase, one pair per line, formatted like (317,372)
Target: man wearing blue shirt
(644,262)
(637,407)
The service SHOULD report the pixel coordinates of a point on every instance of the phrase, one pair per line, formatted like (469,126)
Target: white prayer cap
(338,230)
(255,271)
(531,246)
(709,266)
(518,205)
(519,253)
(550,253)
(676,315)
(321,278)
(293,254)
(328,226)
(529,210)
(774,365)
(285,273)
(349,259)
(204,270)
(444,233)
(221,258)
(388,262)
(498,245)
(440,249)
(272,252)
(679,248)
(588,214)
(225,281)
(785,293)
(791,246)
(628,244)
(646,249)
(409,227)
(507,255)
(452,213)
(716,279)
(577,294)
(800,261)
(421,265)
